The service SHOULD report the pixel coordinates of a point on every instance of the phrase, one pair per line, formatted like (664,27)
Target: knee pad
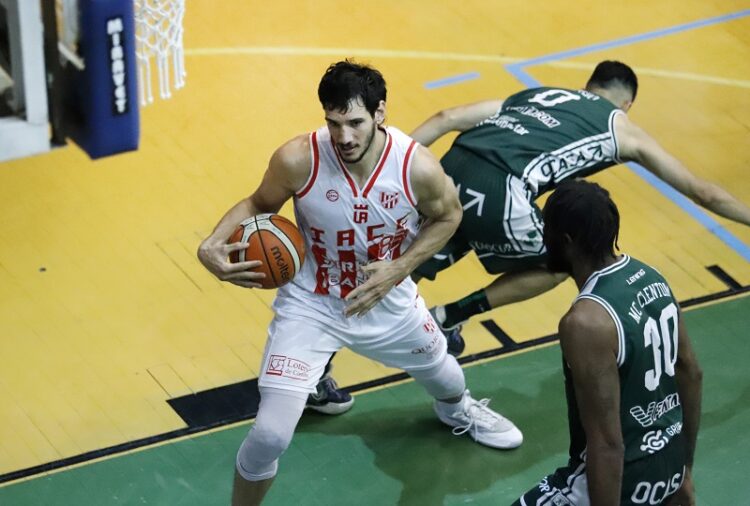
(444,380)
(258,456)
(269,437)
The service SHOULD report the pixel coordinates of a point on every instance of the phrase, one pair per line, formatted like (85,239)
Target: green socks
(462,310)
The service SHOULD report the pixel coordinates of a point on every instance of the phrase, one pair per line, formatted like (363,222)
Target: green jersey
(645,314)
(546,135)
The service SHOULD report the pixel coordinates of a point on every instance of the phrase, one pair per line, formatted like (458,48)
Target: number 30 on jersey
(662,337)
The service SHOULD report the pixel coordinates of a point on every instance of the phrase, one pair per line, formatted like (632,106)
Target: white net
(159,29)
(158,33)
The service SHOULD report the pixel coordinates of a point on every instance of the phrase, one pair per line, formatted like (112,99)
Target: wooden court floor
(391,450)
(105,314)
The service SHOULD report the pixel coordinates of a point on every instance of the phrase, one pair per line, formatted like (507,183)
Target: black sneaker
(329,398)
(452,334)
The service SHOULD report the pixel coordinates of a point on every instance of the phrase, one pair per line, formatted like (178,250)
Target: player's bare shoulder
(630,137)
(292,162)
(587,326)
(428,179)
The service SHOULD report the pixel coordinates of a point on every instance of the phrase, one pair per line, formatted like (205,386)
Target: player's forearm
(455,119)
(240,211)
(704,193)
(604,465)
(721,202)
(690,387)
(432,129)
(212,252)
(515,287)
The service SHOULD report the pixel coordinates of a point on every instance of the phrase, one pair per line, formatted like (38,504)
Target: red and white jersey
(346,227)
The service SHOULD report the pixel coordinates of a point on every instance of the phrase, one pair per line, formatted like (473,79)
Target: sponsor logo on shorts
(489,247)
(656,492)
(429,326)
(332,195)
(276,365)
(296,369)
(288,367)
(557,498)
(430,348)
(560,500)
(653,441)
(544,485)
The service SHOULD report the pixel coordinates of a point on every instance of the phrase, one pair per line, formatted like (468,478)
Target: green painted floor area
(390,449)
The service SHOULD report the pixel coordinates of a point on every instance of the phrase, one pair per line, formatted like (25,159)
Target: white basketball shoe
(485,426)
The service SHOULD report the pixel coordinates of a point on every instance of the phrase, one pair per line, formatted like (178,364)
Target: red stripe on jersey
(348,176)
(316,164)
(405,173)
(375,174)
(321,273)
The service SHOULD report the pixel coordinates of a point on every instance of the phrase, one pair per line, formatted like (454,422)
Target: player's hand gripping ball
(276,242)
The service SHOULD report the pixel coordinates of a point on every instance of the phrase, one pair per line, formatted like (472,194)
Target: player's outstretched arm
(455,119)
(589,341)
(636,145)
(287,172)
(437,200)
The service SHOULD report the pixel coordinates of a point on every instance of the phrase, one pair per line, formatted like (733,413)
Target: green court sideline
(391,450)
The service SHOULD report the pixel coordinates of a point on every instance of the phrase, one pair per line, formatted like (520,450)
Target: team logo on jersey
(332,195)
(360,213)
(653,441)
(388,200)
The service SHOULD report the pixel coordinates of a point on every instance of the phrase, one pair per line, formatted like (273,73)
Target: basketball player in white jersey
(359,190)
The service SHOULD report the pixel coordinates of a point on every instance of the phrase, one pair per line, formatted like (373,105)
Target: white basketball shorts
(307,330)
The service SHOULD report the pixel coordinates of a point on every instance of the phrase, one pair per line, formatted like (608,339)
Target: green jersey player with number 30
(632,382)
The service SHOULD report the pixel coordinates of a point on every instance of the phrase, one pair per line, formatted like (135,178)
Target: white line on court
(669,74)
(342,51)
(430,55)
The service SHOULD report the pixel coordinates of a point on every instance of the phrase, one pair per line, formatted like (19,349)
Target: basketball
(276,242)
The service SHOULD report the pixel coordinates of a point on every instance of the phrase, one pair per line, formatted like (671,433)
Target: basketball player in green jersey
(633,384)
(512,151)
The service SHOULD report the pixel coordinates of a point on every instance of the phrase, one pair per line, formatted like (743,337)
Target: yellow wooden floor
(105,312)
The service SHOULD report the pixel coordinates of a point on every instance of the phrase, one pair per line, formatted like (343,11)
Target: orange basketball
(273,240)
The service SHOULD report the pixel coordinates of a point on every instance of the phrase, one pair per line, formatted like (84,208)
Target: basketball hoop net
(159,29)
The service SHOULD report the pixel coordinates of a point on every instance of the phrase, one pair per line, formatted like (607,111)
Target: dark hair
(345,81)
(609,73)
(585,212)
